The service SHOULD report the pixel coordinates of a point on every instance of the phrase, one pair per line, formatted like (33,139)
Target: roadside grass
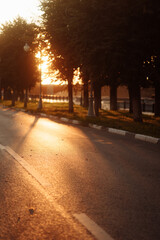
(114,119)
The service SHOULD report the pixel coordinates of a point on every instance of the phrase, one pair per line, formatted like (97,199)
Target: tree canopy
(18,68)
(105,38)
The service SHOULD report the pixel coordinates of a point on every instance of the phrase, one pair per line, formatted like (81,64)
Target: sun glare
(51,76)
(77,78)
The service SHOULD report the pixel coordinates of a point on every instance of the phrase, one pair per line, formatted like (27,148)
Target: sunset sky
(10,9)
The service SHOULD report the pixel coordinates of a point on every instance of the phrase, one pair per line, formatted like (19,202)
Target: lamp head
(26,47)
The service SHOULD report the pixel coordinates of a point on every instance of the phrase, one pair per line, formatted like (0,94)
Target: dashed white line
(96,231)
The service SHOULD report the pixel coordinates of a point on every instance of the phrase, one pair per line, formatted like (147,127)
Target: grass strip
(114,119)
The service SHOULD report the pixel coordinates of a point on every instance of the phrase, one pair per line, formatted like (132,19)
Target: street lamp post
(26,49)
(40,86)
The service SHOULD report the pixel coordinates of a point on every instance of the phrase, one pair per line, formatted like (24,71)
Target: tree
(152,59)
(18,69)
(97,39)
(56,22)
(105,37)
(142,42)
(152,71)
(82,32)
(85,78)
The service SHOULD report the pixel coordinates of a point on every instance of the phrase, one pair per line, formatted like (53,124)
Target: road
(60,181)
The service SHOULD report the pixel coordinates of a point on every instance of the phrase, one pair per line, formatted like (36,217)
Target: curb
(95,126)
(147,138)
(131,135)
(117,131)
(127,134)
(43,114)
(64,119)
(76,122)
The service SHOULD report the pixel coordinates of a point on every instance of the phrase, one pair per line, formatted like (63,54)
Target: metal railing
(148,105)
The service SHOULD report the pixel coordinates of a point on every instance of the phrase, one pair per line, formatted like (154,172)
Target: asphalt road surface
(60,181)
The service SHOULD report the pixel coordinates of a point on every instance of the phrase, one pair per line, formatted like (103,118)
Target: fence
(148,105)
(49,98)
(122,103)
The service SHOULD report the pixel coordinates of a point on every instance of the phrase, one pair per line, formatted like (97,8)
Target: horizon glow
(27,9)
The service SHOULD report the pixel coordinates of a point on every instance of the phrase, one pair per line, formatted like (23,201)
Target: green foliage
(141,38)
(106,39)
(102,36)
(18,69)
(57,28)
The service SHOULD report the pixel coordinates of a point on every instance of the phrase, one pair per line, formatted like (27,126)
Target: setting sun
(50,75)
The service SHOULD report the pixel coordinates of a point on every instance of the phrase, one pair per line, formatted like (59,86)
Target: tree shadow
(27,133)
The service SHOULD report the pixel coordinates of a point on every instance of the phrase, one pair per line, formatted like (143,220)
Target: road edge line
(2,147)
(28,167)
(92,227)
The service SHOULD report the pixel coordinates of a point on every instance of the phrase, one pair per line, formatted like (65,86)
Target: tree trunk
(13,98)
(7,94)
(157,97)
(70,95)
(100,98)
(26,98)
(21,95)
(113,97)
(136,103)
(0,88)
(86,95)
(97,99)
(130,99)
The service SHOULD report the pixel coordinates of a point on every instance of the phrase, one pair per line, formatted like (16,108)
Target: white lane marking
(96,231)
(28,167)
(2,147)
